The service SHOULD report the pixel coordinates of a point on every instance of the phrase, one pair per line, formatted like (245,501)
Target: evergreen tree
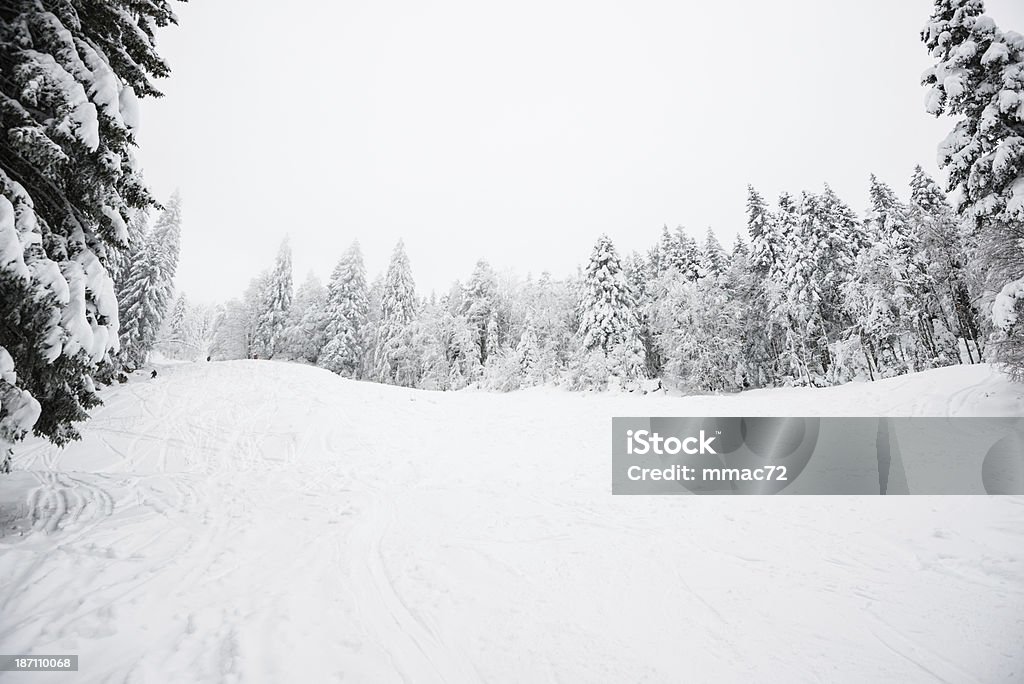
(394,343)
(978,77)
(713,257)
(347,316)
(305,332)
(275,301)
(608,322)
(480,307)
(232,332)
(814,264)
(676,251)
(739,247)
(176,337)
(947,251)
(149,287)
(763,244)
(68,182)
(528,354)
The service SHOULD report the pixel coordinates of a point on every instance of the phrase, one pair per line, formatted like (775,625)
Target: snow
(1015,204)
(954,85)
(12,261)
(1003,308)
(129,103)
(997,52)
(80,316)
(82,121)
(7,371)
(258,521)
(117,222)
(984,25)
(21,409)
(933,101)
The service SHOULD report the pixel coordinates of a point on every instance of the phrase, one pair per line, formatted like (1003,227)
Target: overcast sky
(518,132)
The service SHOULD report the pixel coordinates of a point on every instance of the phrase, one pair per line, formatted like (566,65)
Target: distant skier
(153,374)
(208,358)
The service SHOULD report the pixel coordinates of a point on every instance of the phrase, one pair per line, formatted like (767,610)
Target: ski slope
(254,521)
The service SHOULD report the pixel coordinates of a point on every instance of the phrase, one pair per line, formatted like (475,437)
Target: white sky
(518,132)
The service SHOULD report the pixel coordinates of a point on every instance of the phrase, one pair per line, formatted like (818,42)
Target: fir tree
(947,251)
(149,287)
(608,322)
(305,332)
(480,308)
(713,257)
(347,316)
(176,337)
(68,183)
(978,77)
(394,343)
(275,301)
(763,244)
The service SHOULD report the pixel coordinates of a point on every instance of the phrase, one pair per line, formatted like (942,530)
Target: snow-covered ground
(255,521)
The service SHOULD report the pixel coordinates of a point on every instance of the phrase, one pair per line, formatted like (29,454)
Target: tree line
(815,295)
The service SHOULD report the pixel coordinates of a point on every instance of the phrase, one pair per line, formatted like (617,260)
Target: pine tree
(763,244)
(347,316)
(68,182)
(176,338)
(305,332)
(947,251)
(394,343)
(978,77)
(528,354)
(676,251)
(609,324)
(149,287)
(713,257)
(908,288)
(275,301)
(480,308)
(815,262)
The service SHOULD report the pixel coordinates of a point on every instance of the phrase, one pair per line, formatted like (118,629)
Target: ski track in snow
(267,522)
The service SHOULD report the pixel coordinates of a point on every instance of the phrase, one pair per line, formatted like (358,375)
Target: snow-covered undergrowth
(266,522)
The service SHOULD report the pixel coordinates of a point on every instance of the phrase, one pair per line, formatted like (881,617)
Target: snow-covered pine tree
(908,288)
(122,259)
(528,355)
(677,251)
(640,273)
(232,332)
(397,313)
(480,305)
(149,287)
(947,251)
(608,320)
(347,316)
(713,257)
(175,339)
(768,248)
(764,245)
(740,247)
(275,301)
(805,271)
(72,74)
(304,333)
(978,77)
